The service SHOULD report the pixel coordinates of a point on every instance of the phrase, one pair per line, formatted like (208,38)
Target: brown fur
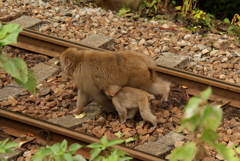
(93,70)
(128,101)
(118,4)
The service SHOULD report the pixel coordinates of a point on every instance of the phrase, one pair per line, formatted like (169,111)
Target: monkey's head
(111,90)
(69,60)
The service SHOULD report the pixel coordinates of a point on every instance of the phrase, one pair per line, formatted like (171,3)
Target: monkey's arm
(82,101)
(122,111)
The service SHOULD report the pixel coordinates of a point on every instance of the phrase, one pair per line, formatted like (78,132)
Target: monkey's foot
(75,111)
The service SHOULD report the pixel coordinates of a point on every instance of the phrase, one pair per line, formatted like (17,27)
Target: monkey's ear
(67,61)
(111,93)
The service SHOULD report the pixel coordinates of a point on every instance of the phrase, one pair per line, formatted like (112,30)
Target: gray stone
(161,145)
(201,46)
(27,21)
(41,70)
(12,156)
(97,40)
(173,60)
(71,122)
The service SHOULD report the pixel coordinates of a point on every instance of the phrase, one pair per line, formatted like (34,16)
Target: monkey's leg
(131,113)
(82,100)
(146,113)
(122,111)
(160,87)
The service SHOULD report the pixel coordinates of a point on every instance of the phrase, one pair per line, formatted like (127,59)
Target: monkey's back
(120,68)
(130,97)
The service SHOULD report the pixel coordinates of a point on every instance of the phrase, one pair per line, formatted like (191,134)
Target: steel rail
(52,46)
(24,124)
(197,83)
(44,44)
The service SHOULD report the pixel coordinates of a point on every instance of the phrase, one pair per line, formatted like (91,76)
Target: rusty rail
(16,124)
(197,83)
(44,44)
(52,46)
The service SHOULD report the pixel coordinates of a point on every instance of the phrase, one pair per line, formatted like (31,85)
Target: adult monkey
(93,70)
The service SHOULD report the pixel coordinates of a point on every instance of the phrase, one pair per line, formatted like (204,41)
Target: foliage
(16,67)
(202,119)
(112,154)
(6,147)
(149,6)
(234,30)
(58,152)
(123,11)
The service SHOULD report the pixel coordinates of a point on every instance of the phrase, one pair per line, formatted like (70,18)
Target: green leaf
(226,20)
(63,145)
(30,85)
(114,142)
(211,117)
(2,144)
(41,153)
(8,28)
(125,158)
(11,145)
(192,107)
(3,59)
(95,152)
(119,152)
(209,136)
(94,145)
(74,147)
(227,153)
(104,142)
(206,93)
(2,151)
(11,38)
(238,149)
(68,157)
(17,68)
(78,158)
(56,149)
(178,7)
(119,134)
(99,158)
(190,123)
(186,152)
(128,140)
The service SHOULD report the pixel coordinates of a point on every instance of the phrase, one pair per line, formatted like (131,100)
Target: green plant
(58,152)
(234,30)
(6,147)
(152,5)
(16,67)
(188,5)
(112,154)
(123,11)
(202,120)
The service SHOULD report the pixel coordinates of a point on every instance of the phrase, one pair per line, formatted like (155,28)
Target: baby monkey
(128,101)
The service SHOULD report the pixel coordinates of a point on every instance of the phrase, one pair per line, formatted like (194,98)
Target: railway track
(52,46)
(15,124)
